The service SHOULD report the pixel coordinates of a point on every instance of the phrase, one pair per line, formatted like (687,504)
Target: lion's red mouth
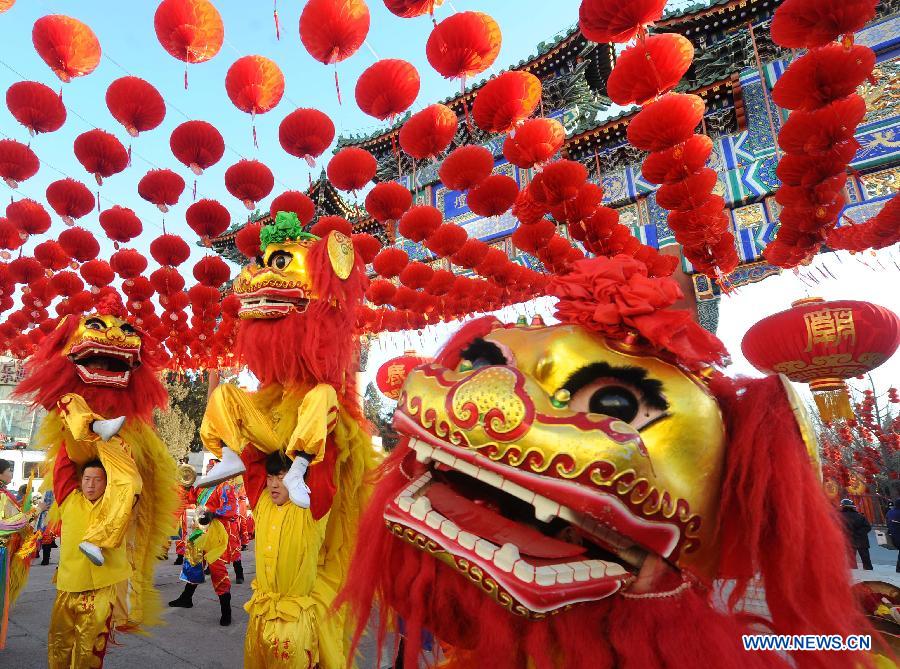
(104,365)
(272,302)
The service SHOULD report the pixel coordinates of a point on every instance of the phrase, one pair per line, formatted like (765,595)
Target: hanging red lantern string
(68,46)
(17,162)
(249,181)
(390,262)
(36,106)
(169,249)
(189,30)
(493,196)
(162,188)
(818,137)
(79,244)
(212,271)
(306,133)
(333,30)
(166,280)
(295,202)
(70,199)
(255,85)
(419,222)
(101,154)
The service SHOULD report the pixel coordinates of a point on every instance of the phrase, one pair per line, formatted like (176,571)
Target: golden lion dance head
(593,479)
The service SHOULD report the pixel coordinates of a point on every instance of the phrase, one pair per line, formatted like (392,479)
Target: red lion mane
(49,374)
(313,346)
(775,522)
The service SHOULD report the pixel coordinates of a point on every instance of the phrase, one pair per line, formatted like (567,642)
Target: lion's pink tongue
(488,524)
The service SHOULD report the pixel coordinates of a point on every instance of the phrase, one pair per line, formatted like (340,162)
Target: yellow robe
(300,420)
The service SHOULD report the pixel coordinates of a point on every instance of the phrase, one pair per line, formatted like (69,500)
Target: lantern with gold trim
(822,343)
(392,374)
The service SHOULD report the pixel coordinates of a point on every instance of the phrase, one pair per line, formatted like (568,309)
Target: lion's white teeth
(506,557)
(420,508)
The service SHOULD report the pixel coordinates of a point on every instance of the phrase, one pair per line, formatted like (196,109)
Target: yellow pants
(232,418)
(80,624)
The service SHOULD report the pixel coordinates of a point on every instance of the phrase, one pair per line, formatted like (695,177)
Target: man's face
(93,483)
(212,463)
(6,476)
(275,486)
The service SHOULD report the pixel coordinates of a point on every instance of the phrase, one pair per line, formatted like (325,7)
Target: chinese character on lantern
(829,327)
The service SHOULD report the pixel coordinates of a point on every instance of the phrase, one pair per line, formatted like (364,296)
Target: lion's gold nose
(115,333)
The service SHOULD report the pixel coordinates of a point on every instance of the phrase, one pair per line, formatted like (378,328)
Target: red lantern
(560,181)
(128,263)
(169,249)
(249,181)
(419,222)
(505,100)
(534,142)
(669,121)
(446,240)
(416,275)
(79,244)
(51,255)
(493,196)
(326,224)
(409,9)
(7,4)
(822,343)
(197,144)
(70,199)
(166,281)
(463,45)
(97,273)
(25,270)
(678,162)
(380,292)
(428,132)
(387,88)
(100,153)
(306,133)
(36,106)
(390,262)
(650,68)
(689,193)
(822,76)
(880,231)
(471,254)
(388,201)
(295,202)
(161,187)
(333,30)
(466,167)
(67,45)
(254,84)
(247,240)
(66,283)
(207,218)
(190,30)
(136,104)
(28,216)
(120,224)
(392,374)
(212,271)
(367,246)
(351,168)
(804,24)
(824,131)
(616,21)
(17,162)
(11,238)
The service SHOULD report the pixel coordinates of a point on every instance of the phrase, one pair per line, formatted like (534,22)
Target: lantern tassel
(129,154)
(833,404)
(337,85)
(275,14)
(462,90)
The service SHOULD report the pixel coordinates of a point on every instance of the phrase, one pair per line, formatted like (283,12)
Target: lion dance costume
(17,545)
(571,496)
(298,314)
(97,376)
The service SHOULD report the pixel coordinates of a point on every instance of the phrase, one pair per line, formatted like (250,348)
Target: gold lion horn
(186,475)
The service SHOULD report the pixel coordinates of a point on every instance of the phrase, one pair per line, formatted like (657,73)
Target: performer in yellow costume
(17,545)
(87,370)
(298,314)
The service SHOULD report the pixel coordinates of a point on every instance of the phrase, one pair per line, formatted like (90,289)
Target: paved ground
(191,637)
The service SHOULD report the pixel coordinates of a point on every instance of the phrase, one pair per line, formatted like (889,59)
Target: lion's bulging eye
(280,260)
(615,401)
(95,324)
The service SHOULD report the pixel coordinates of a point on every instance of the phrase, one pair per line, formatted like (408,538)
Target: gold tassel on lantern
(832,399)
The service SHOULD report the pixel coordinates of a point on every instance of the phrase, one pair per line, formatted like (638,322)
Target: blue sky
(126,34)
